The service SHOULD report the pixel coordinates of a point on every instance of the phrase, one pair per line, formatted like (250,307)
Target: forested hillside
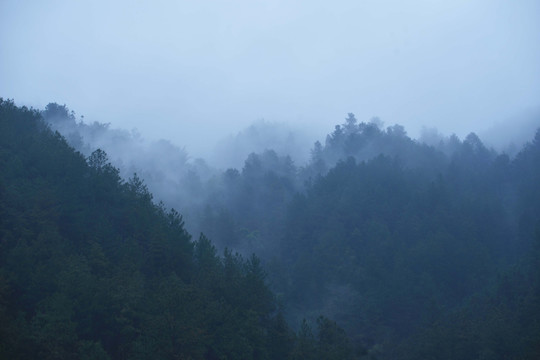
(380,247)
(91,268)
(418,251)
(392,252)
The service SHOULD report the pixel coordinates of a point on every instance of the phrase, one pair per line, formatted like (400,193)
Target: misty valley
(369,244)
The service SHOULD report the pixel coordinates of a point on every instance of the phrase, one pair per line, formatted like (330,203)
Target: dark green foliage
(91,268)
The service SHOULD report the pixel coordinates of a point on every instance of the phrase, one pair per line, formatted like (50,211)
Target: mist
(230,152)
(196,73)
(509,135)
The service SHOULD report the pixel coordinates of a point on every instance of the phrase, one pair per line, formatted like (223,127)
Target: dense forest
(379,247)
(91,268)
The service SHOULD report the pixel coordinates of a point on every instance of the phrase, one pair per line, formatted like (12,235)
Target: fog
(284,139)
(196,73)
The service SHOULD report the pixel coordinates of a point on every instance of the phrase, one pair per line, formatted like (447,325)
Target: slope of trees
(91,268)
(167,169)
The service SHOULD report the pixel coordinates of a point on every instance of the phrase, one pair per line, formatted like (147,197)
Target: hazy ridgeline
(250,178)
(423,248)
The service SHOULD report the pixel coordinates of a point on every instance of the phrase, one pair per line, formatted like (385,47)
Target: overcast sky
(181,69)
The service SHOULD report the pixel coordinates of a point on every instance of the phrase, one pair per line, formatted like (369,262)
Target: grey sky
(182,69)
